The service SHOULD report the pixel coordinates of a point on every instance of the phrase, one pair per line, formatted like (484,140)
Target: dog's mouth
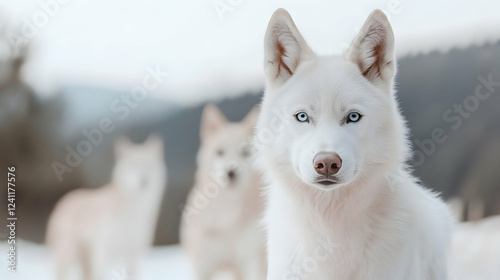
(327,181)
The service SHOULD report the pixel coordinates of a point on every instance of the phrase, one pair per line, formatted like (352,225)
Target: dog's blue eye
(353,117)
(302,117)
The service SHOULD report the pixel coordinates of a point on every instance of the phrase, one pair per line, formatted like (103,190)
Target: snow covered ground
(35,262)
(476,256)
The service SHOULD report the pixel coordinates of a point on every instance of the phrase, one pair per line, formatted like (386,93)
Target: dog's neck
(366,196)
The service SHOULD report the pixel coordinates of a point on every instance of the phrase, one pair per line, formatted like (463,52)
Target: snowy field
(36,263)
(476,256)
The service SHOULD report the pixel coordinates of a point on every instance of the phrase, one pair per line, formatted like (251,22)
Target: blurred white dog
(115,223)
(220,228)
(332,145)
(475,250)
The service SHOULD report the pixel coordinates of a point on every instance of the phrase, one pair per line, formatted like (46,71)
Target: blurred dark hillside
(431,87)
(466,163)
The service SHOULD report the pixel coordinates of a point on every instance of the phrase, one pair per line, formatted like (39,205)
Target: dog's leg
(64,251)
(253,268)
(95,262)
(62,268)
(204,271)
(437,272)
(85,262)
(207,258)
(227,273)
(131,265)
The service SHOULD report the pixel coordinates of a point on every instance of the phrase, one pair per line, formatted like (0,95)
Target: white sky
(110,43)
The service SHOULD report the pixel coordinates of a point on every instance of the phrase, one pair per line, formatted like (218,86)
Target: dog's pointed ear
(251,118)
(373,50)
(155,143)
(284,49)
(122,145)
(211,120)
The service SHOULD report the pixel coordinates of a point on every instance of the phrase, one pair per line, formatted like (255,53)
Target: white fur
(377,222)
(115,223)
(476,250)
(220,228)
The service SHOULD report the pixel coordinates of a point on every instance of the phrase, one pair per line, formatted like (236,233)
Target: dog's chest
(307,248)
(324,258)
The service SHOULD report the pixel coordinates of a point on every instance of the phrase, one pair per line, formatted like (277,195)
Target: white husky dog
(220,226)
(332,146)
(115,223)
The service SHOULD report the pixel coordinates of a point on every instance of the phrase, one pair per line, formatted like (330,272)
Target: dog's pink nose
(327,163)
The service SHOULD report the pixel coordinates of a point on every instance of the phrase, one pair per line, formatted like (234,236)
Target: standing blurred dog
(114,223)
(220,228)
(332,145)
